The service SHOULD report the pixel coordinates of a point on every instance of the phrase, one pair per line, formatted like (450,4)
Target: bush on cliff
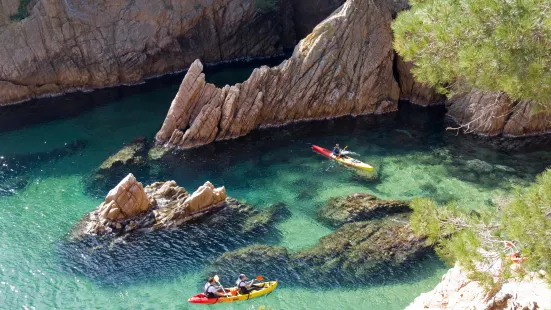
(477,240)
(491,45)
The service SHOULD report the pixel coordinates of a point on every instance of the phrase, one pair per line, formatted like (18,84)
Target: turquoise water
(44,175)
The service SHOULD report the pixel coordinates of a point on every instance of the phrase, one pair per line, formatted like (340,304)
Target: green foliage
(495,45)
(267,5)
(477,239)
(22,11)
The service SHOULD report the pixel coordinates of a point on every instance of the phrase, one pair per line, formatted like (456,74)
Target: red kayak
(345,160)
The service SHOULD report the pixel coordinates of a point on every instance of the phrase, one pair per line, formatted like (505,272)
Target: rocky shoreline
(457,291)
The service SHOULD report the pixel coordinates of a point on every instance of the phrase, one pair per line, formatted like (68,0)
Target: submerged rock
(359,207)
(356,253)
(130,207)
(131,157)
(132,154)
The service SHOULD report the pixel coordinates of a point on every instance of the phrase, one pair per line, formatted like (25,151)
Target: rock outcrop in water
(131,207)
(51,46)
(457,291)
(357,252)
(344,67)
(359,207)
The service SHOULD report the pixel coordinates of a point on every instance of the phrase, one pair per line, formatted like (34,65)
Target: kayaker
(245,288)
(337,150)
(211,290)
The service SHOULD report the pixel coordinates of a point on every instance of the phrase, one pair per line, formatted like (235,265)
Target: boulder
(130,207)
(359,207)
(124,201)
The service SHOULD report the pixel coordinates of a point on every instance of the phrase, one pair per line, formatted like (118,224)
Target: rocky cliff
(344,67)
(456,291)
(53,46)
(494,113)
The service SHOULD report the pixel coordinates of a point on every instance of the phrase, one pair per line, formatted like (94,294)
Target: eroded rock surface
(66,45)
(344,67)
(456,291)
(494,113)
(129,207)
(359,207)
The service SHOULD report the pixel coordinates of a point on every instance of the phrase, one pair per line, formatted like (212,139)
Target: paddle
(217,279)
(340,153)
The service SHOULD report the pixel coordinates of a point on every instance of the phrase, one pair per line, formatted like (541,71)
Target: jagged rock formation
(126,200)
(345,66)
(456,291)
(359,207)
(65,45)
(130,207)
(494,113)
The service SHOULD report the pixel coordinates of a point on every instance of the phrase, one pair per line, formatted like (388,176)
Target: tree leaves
(494,45)
(479,238)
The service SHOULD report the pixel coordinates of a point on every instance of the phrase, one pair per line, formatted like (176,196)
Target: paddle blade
(260,278)
(216,278)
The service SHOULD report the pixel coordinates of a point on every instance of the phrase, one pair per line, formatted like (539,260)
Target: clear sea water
(412,153)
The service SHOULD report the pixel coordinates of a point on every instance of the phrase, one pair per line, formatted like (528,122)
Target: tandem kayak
(267,288)
(345,160)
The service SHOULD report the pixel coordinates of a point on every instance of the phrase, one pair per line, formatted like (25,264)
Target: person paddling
(337,150)
(245,288)
(211,290)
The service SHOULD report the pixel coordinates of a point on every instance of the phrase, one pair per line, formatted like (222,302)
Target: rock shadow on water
(166,254)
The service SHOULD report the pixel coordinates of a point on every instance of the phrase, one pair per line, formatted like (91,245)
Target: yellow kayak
(345,160)
(267,287)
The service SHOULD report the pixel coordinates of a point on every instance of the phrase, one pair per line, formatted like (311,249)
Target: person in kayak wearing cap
(211,290)
(337,150)
(245,288)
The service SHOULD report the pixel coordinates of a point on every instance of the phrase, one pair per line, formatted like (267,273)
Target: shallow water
(45,194)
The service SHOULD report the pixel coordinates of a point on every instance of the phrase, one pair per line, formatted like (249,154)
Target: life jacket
(209,294)
(242,289)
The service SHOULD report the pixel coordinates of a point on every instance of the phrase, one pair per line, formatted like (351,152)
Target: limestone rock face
(494,113)
(66,45)
(456,291)
(126,200)
(344,67)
